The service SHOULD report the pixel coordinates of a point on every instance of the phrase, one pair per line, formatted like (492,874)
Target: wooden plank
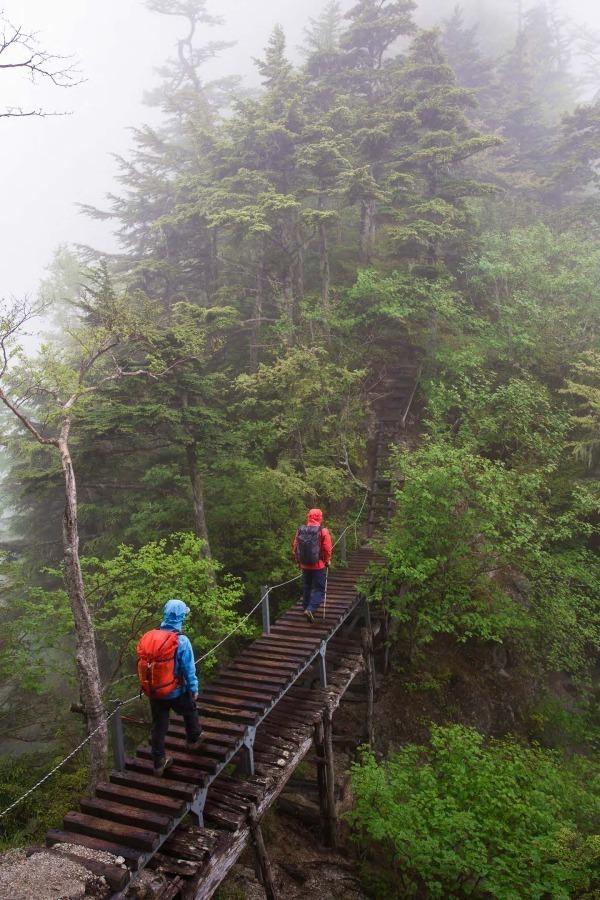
(216,751)
(272,676)
(234,680)
(212,738)
(298,640)
(111,831)
(192,844)
(177,772)
(252,678)
(276,650)
(232,715)
(166,786)
(142,799)
(266,663)
(128,815)
(165,863)
(237,700)
(186,758)
(223,817)
(57,836)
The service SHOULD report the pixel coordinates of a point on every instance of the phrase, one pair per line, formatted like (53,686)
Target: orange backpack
(156,651)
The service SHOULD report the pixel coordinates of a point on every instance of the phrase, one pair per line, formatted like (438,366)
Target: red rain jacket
(315,517)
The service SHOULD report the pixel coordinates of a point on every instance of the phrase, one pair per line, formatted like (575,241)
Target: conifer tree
(472,70)
(428,178)
(367,76)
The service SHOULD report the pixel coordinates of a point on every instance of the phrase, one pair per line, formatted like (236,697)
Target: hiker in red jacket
(312,549)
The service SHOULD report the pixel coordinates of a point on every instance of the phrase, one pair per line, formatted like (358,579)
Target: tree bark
(258,310)
(86,657)
(198,497)
(325,268)
(367,230)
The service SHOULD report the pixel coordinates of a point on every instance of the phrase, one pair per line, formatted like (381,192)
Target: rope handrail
(136,696)
(67,758)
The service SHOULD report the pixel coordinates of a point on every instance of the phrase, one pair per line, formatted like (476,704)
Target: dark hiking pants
(313,585)
(185,706)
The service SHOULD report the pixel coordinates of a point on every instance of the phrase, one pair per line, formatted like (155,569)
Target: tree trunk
(325,268)
(198,496)
(367,230)
(258,310)
(87,659)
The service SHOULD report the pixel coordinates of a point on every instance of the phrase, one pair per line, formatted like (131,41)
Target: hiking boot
(194,745)
(159,769)
(309,615)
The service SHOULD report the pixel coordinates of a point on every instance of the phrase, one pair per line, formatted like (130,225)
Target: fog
(50,165)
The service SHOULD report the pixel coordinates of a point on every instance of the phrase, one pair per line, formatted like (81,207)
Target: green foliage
(477,549)
(462,818)
(29,822)
(460,518)
(130,590)
(126,596)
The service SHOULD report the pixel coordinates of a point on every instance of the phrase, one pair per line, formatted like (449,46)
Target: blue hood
(174,614)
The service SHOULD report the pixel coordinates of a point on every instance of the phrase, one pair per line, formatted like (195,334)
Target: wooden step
(190,759)
(117,811)
(111,831)
(186,774)
(142,799)
(58,836)
(167,787)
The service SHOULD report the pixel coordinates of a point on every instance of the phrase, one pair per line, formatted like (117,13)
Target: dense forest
(389,193)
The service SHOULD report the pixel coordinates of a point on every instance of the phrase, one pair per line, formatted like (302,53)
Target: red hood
(314,517)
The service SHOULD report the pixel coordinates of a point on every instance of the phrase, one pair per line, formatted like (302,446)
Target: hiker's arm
(187,667)
(326,546)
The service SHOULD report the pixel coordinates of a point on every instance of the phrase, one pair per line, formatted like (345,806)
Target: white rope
(66,759)
(354,521)
(245,619)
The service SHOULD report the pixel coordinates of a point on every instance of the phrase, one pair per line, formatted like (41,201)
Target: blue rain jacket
(174,614)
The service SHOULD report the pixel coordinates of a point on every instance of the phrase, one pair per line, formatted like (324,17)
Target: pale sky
(48,166)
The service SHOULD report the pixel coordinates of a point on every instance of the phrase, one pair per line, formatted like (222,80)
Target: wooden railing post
(322,662)
(118,742)
(319,743)
(266,615)
(331,821)
(366,639)
(343,550)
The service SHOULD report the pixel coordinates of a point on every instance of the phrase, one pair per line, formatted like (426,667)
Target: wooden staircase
(135,815)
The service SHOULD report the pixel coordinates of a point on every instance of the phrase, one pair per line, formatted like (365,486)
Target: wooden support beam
(331,822)
(319,742)
(366,636)
(262,857)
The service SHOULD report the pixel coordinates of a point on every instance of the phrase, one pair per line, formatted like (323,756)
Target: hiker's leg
(306,587)
(318,589)
(160,726)
(185,706)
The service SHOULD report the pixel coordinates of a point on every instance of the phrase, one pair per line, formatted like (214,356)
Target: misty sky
(48,166)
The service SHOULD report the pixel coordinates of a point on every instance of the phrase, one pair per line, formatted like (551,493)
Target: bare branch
(20,51)
(26,421)
(122,373)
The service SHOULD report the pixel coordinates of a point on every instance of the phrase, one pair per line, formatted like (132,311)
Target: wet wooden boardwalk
(259,712)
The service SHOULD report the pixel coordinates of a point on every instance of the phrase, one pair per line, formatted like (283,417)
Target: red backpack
(156,651)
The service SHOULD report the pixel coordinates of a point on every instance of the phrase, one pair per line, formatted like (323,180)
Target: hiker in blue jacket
(182,699)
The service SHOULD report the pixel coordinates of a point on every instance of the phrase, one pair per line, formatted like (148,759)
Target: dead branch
(20,51)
